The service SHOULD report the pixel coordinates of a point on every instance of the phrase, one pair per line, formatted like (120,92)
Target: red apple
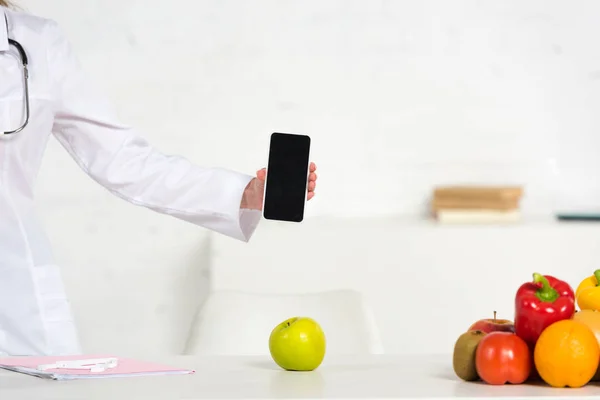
(503,357)
(493,325)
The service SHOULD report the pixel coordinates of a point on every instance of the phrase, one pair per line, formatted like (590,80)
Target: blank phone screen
(287,177)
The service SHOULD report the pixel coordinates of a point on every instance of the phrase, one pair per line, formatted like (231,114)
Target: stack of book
(477,204)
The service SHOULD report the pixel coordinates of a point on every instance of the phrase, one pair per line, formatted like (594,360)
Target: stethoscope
(24,65)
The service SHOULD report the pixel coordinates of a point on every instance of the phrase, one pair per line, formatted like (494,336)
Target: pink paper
(125,366)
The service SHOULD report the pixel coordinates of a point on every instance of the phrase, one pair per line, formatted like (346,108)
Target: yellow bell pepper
(587,294)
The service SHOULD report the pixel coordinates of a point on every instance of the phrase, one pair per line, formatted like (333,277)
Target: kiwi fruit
(463,359)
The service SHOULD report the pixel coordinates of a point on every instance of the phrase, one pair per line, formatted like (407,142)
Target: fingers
(312,181)
(312,184)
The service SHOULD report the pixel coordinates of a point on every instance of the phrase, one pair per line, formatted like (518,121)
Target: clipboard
(82,367)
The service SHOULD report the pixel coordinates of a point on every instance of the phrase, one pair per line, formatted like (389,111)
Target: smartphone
(287,177)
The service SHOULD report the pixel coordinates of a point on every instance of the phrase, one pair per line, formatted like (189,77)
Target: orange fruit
(567,354)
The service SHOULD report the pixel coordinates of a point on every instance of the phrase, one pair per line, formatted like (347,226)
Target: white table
(378,377)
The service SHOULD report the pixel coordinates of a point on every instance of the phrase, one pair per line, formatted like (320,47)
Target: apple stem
(494,316)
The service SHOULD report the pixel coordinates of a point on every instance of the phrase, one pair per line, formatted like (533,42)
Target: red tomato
(503,357)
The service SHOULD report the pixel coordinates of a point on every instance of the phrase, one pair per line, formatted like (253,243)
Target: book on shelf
(478,192)
(478,216)
(477,204)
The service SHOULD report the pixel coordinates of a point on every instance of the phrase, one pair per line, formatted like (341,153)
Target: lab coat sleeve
(119,159)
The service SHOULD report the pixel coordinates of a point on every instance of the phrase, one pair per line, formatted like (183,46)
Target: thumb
(261,174)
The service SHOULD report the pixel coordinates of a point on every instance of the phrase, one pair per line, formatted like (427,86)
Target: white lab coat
(35,315)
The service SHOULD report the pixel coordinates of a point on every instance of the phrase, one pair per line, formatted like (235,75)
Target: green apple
(297,344)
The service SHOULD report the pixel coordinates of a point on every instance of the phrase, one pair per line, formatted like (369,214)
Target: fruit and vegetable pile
(549,340)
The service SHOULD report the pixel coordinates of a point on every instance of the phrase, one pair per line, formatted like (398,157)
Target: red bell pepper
(539,304)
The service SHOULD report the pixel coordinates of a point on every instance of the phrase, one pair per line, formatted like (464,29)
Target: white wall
(397,95)
(425,283)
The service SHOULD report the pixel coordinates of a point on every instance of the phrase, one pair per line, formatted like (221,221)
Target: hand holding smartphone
(287,177)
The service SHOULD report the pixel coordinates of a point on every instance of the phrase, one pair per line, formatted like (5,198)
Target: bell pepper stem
(597,276)
(546,292)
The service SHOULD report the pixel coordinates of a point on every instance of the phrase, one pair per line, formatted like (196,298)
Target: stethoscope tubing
(25,66)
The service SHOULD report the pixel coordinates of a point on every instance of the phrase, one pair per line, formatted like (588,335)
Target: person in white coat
(35,315)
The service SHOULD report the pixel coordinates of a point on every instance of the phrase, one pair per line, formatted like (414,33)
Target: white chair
(238,323)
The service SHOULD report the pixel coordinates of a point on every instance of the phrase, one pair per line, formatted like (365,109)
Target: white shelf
(527,220)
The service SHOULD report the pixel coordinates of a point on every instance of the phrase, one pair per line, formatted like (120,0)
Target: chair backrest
(237,323)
